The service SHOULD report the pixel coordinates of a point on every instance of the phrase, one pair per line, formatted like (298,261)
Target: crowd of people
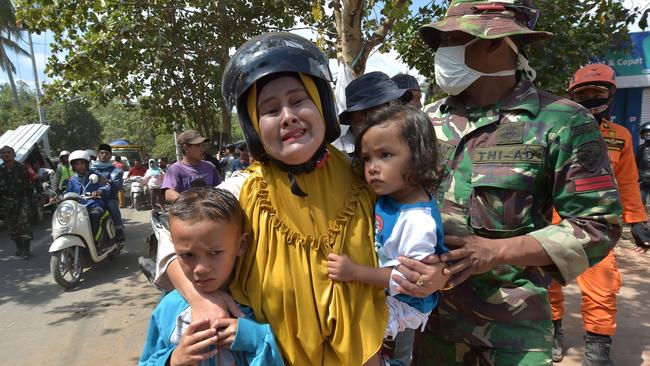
(485,203)
(435,235)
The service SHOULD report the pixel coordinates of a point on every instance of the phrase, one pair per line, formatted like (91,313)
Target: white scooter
(74,244)
(138,193)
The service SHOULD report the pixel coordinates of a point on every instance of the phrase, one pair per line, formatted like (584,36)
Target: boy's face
(80,166)
(207,250)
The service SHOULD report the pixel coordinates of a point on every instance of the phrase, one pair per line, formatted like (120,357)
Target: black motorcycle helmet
(644,128)
(271,53)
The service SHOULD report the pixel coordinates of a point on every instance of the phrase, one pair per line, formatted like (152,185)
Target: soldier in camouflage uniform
(509,153)
(17,192)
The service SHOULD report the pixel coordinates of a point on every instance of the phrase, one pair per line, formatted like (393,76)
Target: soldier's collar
(523,97)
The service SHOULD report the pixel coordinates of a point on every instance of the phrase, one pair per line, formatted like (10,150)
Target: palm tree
(8,31)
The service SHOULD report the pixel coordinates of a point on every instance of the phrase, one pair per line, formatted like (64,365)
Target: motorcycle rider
(643,162)
(17,192)
(594,86)
(80,183)
(63,171)
(113,176)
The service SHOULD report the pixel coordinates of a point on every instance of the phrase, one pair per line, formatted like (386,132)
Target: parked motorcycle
(75,245)
(160,225)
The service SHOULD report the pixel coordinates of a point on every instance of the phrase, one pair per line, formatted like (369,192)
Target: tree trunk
(348,28)
(226,123)
(10,75)
(351,47)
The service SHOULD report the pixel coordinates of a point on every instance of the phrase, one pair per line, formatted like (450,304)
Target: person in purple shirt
(190,170)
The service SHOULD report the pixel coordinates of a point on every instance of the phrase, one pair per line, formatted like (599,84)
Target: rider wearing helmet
(63,171)
(593,86)
(80,183)
(643,161)
(113,176)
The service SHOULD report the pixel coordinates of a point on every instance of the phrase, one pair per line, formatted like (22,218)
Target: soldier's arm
(585,196)
(627,177)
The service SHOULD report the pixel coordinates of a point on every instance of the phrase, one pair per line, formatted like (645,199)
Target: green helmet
(489,19)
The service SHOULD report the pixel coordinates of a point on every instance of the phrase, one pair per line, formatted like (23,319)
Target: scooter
(160,225)
(74,244)
(138,193)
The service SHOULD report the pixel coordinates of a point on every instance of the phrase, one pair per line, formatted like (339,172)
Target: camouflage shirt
(15,185)
(505,167)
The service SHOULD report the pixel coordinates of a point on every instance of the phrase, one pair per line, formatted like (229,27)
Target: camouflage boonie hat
(487,20)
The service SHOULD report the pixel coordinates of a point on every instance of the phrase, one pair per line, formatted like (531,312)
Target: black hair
(207,203)
(417,131)
(118,158)
(105,147)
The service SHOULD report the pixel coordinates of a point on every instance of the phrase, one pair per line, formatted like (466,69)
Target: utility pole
(179,153)
(41,112)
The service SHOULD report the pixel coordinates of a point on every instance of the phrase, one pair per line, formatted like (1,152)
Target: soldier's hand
(641,234)
(470,255)
(430,271)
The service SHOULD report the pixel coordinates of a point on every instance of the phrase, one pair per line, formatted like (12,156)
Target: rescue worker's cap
(64,153)
(644,127)
(369,90)
(599,76)
(487,20)
(191,137)
(79,155)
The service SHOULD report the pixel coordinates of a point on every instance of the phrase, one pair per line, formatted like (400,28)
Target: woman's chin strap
(317,160)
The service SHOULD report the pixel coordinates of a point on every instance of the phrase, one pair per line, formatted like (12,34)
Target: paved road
(631,346)
(103,321)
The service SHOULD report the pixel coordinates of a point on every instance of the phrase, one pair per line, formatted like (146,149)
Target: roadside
(631,344)
(103,320)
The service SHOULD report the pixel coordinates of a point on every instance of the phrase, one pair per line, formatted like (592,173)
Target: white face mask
(453,76)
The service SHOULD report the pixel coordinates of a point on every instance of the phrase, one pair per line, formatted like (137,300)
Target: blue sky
(378,62)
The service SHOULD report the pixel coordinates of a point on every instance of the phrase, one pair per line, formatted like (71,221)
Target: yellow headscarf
(283,275)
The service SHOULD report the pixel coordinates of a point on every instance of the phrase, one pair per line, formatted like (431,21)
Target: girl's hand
(193,346)
(226,329)
(341,268)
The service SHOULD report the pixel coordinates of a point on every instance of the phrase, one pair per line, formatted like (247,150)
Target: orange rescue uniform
(600,283)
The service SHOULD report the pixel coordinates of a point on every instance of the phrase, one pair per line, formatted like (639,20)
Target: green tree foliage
(168,55)
(9,34)
(583,29)
(72,125)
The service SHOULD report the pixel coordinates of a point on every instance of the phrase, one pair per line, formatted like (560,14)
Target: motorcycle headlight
(64,213)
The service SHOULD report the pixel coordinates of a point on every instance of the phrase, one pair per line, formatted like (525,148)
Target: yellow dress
(283,275)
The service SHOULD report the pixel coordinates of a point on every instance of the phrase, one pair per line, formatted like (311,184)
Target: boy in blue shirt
(206,227)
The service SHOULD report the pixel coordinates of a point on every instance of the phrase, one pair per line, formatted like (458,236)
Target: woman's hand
(421,278)
(216,305)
